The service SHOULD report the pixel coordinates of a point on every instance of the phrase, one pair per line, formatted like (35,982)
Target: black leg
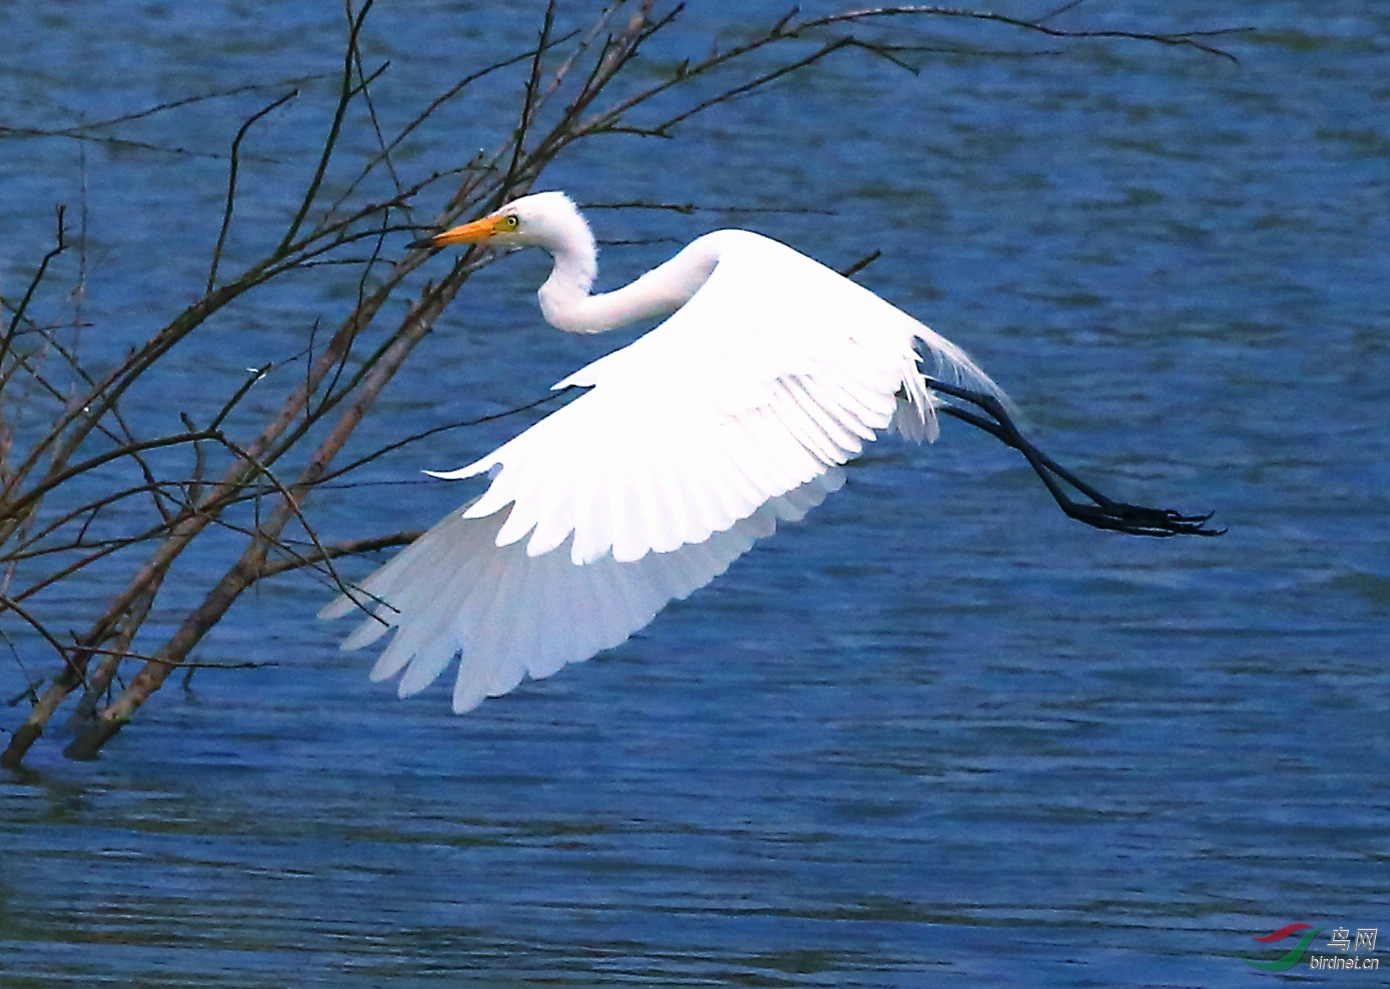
(1103,513)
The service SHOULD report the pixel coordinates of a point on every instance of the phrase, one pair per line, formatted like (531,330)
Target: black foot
(1101,512)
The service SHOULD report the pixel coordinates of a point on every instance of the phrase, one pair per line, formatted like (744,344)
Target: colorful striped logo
(1295,954)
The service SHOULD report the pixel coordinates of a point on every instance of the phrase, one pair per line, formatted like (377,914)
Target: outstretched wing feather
(692,443)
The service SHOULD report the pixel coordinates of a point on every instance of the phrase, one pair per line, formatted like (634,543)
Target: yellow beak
(469,233)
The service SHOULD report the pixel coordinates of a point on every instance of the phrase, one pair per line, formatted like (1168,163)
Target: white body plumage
(694,441)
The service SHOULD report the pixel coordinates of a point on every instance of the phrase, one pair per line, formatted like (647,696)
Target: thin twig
(60,245)
(330,143)
(231,181)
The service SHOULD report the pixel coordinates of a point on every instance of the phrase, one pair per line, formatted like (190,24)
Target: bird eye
(511,222)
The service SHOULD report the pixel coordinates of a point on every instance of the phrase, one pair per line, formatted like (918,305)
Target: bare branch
(298,561)
(346,91)
(231,181)
(60,245)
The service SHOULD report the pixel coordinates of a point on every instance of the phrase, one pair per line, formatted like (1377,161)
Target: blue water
(935,735)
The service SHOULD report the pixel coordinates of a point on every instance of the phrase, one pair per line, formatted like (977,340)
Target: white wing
(692,443)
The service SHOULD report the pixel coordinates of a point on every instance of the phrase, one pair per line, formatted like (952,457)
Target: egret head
(546,219)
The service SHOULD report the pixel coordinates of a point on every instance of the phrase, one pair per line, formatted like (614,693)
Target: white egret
(736,413)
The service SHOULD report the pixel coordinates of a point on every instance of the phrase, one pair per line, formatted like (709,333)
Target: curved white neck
(567,304)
